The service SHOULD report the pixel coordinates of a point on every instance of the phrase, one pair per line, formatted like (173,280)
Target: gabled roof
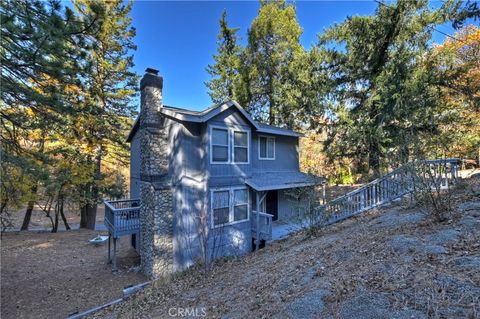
(185,115)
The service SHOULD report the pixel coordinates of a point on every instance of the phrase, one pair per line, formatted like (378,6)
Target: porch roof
(281,180)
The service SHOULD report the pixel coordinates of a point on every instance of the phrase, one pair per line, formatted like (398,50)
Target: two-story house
(210,183)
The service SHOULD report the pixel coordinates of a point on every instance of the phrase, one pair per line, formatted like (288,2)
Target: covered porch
(272,214)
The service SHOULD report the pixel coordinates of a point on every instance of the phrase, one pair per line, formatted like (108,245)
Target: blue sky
(179,38)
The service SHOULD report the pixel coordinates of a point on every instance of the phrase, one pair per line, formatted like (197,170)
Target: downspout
(257,241)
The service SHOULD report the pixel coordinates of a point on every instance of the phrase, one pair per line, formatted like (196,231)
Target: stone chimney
(156,213)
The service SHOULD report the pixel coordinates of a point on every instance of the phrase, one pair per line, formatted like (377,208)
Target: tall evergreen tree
(381,92)
(270,68)
(225,71)
(111,84)
(42,46)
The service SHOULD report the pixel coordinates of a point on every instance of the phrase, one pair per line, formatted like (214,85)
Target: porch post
(257,239)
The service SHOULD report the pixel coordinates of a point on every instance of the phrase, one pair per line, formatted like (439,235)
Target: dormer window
(266,148)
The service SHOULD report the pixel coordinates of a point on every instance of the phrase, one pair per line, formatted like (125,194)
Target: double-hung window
(240,204)
(229,206)
(220,145)
(229,145)
(266,148)
(221,207)
(240,146)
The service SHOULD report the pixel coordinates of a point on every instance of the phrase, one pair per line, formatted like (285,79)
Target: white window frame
(240,130)
(231,195)
(212,127)
(266,148)
(231,143)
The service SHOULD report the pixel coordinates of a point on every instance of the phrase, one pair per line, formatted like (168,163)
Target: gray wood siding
(286,154)
(188,169)
(230,240)
(193,176)
(227,119)
(135,167)
(289,208)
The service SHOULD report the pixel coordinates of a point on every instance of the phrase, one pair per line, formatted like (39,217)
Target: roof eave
(134,129)
(278,132)
(279,186)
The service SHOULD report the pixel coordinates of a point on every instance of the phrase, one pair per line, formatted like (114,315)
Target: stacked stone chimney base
(157,230)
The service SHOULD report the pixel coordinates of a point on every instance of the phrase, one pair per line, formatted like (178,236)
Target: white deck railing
(389,187)
(265,225)
(122,217)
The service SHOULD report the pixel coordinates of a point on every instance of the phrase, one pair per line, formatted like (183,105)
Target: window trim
(231,143)
(240,130)
(231,192)
(212,127)
(266,148)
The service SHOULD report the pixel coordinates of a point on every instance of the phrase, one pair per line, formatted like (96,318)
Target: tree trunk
(55,225)
(83,216)
(33,190)
(91,208)
(62,214)
(29,211)
(3,206)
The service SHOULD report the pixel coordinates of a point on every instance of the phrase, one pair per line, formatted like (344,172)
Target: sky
(179,38)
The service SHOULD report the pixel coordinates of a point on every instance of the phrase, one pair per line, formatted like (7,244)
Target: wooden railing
(265,225)
(122,217)
(389,187)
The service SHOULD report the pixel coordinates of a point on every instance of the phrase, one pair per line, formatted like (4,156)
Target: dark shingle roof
(185,115)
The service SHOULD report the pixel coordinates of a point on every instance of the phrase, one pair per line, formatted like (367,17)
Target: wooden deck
(122,217)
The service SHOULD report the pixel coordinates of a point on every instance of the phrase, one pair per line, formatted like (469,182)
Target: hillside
(394,262)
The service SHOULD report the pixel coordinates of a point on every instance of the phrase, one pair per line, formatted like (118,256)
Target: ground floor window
(229,206)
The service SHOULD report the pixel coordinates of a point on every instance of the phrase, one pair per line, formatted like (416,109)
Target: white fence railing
(391,186)
(265,225)
(122,217)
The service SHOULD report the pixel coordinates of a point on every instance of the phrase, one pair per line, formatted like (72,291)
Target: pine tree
(41,50)
(111,84)
(271,64)
(381,92)
(225,71)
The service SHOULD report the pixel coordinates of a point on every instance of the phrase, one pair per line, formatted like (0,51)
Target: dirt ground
(40,222)
(394,262)
(45,275)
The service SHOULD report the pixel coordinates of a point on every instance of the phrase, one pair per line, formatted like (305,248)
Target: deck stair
(392,186)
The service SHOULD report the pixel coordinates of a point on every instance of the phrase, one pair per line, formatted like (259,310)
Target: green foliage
(66,97)
(382,90)
(225,71)
(272,76)
(344,176)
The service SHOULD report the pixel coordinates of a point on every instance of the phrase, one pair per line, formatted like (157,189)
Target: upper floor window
(240,147)
(229,145)
(220,145)
(266,148)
